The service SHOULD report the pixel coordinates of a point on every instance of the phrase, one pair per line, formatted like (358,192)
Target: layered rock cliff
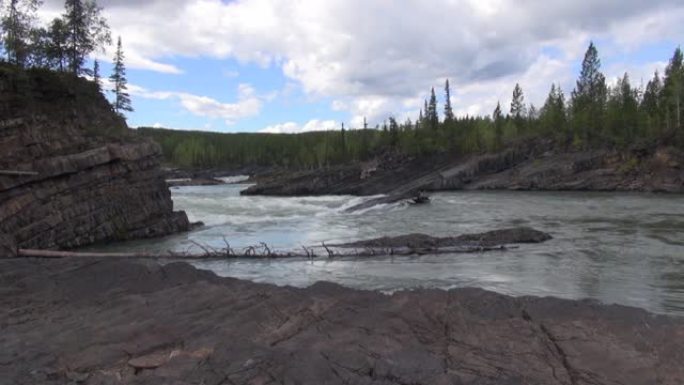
(528,166)
(84,177)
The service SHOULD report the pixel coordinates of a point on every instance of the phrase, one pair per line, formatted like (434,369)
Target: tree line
(595,115)
(62,45)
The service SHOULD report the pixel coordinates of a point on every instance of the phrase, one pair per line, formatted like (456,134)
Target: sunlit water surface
(616,248)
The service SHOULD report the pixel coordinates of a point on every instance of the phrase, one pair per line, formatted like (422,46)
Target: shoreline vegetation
(596,116)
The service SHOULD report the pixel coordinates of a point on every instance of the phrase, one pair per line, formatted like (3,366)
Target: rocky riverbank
(108,322)
(527,166)
(83,177)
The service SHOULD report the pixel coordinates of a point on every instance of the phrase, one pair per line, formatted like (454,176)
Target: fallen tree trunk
(327,252)
(406,245)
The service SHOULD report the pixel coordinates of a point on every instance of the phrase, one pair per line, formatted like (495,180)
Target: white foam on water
(234,179)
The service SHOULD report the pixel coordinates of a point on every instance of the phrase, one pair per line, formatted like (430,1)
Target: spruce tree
(87,31)
(589,97)
(432,116)
(96,75)
(122,101)
(448,111)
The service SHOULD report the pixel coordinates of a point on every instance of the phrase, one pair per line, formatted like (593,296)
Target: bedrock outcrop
(109,322)
(74,174)
(537,165)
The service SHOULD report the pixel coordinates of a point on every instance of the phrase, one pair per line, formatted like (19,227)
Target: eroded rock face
(126,323)
(95,180)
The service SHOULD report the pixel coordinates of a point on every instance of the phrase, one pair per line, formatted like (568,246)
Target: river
(615,248)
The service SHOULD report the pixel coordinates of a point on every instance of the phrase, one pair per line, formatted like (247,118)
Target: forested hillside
(595,115)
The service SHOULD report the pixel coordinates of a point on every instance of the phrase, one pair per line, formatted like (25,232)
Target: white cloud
(295,128)
(374,58)
(248,103)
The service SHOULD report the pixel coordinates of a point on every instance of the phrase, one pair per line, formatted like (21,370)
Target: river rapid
(615,248)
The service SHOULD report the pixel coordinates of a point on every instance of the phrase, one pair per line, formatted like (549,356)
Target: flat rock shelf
(128,322)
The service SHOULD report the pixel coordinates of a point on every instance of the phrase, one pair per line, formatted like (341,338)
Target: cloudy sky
(295,65)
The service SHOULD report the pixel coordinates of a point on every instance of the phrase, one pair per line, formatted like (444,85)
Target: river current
(615,248)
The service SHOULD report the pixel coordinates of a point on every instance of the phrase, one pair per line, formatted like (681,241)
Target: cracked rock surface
(111,322)
(123,322)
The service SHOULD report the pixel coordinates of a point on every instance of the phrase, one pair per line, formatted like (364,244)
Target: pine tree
(17,21)
(122,101)
(87,31)
(448,111)
(589,97)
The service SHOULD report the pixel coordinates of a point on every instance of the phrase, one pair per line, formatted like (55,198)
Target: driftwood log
(253,253)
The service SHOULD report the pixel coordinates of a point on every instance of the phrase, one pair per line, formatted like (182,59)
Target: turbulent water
(616,248)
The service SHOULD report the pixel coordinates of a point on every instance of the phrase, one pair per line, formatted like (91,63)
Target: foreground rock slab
(109,322)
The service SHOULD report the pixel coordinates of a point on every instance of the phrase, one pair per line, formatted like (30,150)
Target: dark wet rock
(379,176)
(506,237)
(196,225)
(8,247)
(195,182)
(97,322)
(95,180)
(423,241)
